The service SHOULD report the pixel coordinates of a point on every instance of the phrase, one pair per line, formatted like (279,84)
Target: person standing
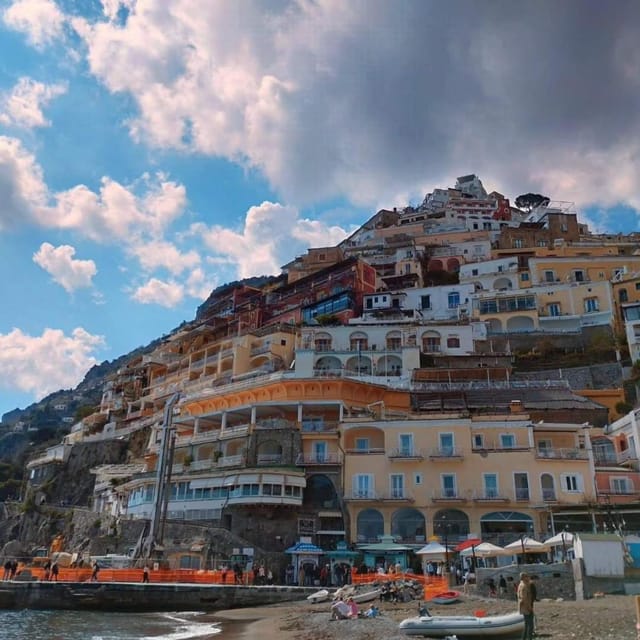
(94,573)
(55,570)
(145,574)
(502,586)
(525,605)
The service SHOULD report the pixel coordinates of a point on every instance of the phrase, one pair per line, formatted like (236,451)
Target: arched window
(320,493)
(370,525)
(452,522)
(408,524)
(547,484)
(358,341)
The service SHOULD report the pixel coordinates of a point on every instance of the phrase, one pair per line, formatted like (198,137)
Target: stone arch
(369,525)
(358,341)
(453,265)
(327,364)
(408,524)
(451,522)
(502,283)
(320,493)
(389,366)
(520,323)
(359,365)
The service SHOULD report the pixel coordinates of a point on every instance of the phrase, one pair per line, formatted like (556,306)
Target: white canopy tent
(433,551)
(483,550)
(560,539)
(525,545)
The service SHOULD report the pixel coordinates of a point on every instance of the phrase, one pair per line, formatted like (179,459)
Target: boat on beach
(464,627)
(319,596)
(446,597)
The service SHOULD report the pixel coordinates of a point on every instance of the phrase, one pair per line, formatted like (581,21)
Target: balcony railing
(231,461)
(316,459)
(406,454)
(562,454)
(319,427)
(396,494)
(443,495)
(364,452)
(445,452)
(549,495)
(362,495)
(490,495)
(523,494)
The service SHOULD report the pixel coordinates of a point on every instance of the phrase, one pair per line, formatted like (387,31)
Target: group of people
(51,571)
(10,569)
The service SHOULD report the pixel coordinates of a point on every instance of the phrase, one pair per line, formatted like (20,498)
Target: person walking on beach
(525,605)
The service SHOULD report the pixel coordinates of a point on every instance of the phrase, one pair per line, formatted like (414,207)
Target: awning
(247,478)
(205,483)
(294,481)
(465,544)
(273,478)
(305,547)
(229,481)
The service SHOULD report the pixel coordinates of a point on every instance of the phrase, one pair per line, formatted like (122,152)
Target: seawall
(127,596)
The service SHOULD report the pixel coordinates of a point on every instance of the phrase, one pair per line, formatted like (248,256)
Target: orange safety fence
(199,576)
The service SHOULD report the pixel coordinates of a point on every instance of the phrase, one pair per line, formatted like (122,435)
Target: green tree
(529,201)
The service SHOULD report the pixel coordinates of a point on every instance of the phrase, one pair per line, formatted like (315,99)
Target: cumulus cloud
(155,291)
(40,20)
(42,364)
(376,101)
(68,272)
(162,254)
(272,235)
(22,106)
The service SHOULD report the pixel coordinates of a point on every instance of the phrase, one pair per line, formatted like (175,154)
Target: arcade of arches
(410,525)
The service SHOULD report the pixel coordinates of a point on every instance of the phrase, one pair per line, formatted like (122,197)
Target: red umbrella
(465,544)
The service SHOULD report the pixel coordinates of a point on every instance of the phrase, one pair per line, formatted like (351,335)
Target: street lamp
(445,528)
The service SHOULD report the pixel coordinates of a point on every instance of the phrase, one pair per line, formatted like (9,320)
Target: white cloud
(155,291)
(46,363)
(272,235)
(68,272)
(22,106)
(327,100)
(161,254)
(40,20)
(199,286)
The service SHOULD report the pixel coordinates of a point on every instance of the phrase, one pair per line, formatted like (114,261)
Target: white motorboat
(366,596)
(318,596)
(464,627)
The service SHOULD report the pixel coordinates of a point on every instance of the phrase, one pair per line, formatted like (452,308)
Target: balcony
(364,452)
(406,454)
(230,461)
(269,459)
(523,495)
(446,453)
(562,454)
(490,495)
(448,495)
(234,432)
(321,460)
(362,495)
(263,348)
(309,426)
(396,495)
(549,495)
(628,455)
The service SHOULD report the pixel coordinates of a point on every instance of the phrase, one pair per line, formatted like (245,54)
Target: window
(578,275)
(549,276)
(453,342)
(554,309)
(359,343)
(591,305)
(417,478)
(406,444)
(397,485)
(323,344)
(524,276)
(544,445)
(431,344)
(490,485)
(620,485)
(425,302)
(623,296)
(507,440)
(446,444)
(362,445)
(571,482)
(453,299)
(368,303)
(363,485)
(394,343)
(322,256)
(478,441)
(517,243)
(449,485)
(521,484)
(319,451)
(474,272)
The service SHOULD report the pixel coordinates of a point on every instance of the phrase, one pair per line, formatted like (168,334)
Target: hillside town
(460,368)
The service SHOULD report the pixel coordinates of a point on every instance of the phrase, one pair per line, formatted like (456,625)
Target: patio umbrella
(465,545)
(484,550)
(525,545)
(433,551)
(560,539)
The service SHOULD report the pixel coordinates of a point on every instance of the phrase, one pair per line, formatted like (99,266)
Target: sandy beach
(606,618)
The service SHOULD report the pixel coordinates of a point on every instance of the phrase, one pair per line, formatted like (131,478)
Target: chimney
(515,406)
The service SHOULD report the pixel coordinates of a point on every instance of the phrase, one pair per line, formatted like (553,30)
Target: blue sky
(152,150)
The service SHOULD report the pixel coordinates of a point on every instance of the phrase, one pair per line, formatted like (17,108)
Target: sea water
(91,625)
